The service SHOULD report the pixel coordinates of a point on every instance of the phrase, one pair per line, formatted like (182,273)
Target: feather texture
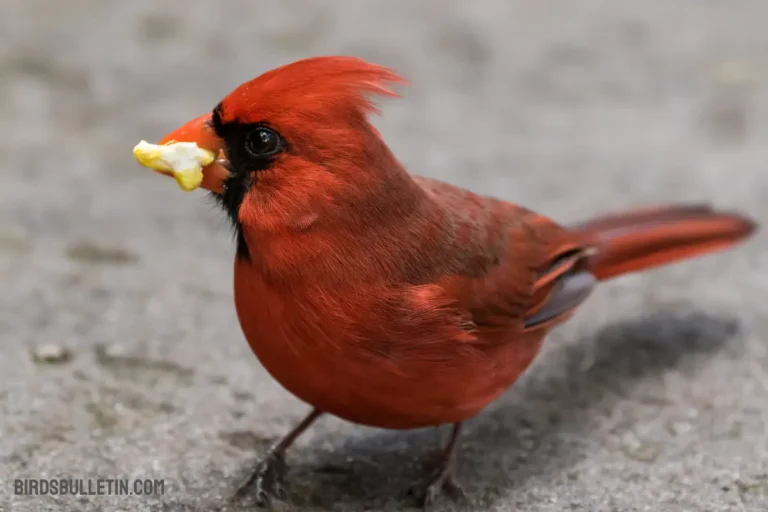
(395,300)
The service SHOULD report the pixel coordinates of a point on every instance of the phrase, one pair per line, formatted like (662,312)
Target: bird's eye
(262,141)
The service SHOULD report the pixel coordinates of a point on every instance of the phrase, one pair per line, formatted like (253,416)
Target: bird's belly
(337,372)
(383,393)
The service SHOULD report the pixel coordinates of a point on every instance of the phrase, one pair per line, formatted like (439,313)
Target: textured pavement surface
(654,397)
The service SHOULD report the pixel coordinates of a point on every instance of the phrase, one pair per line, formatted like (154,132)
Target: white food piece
(183,160)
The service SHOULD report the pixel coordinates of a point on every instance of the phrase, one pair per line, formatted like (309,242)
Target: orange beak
(200,132)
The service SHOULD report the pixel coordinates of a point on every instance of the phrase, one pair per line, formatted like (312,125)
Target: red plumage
(394,300)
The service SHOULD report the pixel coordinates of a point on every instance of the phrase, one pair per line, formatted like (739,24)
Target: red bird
(389,299)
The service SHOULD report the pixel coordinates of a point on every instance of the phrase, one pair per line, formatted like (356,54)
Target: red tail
(643,239)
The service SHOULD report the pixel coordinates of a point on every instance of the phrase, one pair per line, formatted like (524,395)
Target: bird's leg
(267,476)
(444,479)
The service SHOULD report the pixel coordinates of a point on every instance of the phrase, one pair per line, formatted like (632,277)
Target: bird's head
(295,143)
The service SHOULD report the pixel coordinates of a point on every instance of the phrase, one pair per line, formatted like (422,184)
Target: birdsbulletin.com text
(88,487)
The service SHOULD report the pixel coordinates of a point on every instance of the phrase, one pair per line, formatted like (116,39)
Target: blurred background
(120,352)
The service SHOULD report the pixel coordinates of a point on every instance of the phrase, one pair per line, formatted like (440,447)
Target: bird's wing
(562,281)
(521,270)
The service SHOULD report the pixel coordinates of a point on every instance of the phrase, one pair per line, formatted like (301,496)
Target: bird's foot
(266,481)
(443,481)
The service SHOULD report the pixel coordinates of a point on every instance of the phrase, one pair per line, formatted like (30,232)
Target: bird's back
(514,258)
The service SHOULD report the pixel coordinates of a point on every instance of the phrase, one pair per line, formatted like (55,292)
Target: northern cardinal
(389,299)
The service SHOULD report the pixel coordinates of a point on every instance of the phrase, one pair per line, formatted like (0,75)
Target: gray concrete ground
(655,397)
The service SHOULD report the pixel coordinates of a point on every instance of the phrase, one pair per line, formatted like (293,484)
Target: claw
(443,482)
(266,481)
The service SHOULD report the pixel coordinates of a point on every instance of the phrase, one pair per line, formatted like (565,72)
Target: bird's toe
(266,481)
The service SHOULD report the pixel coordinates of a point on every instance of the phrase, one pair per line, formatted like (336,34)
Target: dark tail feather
(651,237)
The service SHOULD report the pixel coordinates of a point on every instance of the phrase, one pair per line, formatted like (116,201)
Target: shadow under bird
(389,299)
